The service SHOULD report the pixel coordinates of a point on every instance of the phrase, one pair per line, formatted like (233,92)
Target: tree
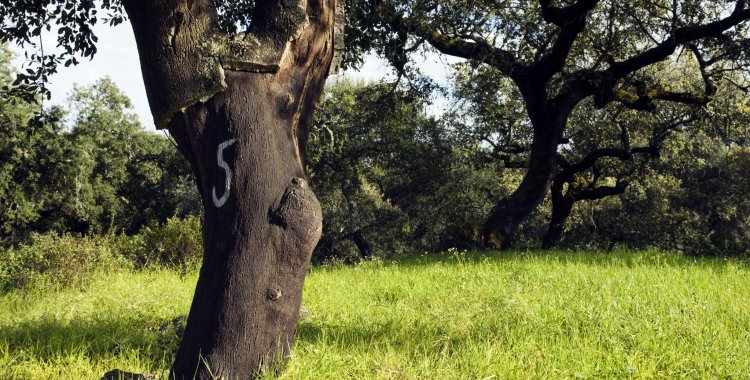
(605,149)
(100,173)
(364,132)
(338,159)
(604,171)
(650,179)
(414,179)
(558,54)
(239,106)
(32,163)
(126,177)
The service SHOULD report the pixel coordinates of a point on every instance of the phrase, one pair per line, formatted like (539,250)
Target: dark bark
(548,125)
(355,226)
(562,205)
(561,208)
(257,244)
(242,122)
(563,200)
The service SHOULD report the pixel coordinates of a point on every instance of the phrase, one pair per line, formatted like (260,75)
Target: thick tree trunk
(355,227)
(508,213)
(242,122)
(259,232)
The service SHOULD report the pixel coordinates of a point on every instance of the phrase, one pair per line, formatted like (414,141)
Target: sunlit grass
(453,315)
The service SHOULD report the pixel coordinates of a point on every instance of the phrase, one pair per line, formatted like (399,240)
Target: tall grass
(460,315)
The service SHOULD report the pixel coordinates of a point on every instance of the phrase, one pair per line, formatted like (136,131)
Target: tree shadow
(48,339)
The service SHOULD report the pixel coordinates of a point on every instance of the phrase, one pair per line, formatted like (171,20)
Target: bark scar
(299,214)
(197,44)
(273,294)
(293,203)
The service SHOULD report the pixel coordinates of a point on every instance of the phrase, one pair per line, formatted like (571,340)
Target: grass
(116,321)
(453,315)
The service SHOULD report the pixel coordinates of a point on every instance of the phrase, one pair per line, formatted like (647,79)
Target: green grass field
(448,316)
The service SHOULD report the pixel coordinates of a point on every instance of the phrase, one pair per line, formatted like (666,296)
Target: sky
(117,57)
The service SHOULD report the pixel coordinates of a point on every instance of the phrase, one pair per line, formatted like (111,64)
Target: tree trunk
(561,208)
(508,213)
(240,113)
(261,224)
(355,228)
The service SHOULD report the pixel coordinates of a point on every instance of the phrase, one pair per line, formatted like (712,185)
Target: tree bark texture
(241,118)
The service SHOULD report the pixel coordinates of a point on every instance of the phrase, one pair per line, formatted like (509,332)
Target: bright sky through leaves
(117,58)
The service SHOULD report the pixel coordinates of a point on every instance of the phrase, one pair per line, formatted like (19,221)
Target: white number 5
(218,202)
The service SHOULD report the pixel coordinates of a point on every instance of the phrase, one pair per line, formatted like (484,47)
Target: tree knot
(299,214)
(273,294)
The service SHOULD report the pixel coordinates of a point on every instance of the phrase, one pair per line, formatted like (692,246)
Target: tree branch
(602,191)
(564,15)
(645,102)
(601,83)
(703,65)
(572,21)
(679,36)
(479,49)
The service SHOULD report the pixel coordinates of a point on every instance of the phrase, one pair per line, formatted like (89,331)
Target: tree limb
(572,21)
(479,49)
(679,36)
(562,16)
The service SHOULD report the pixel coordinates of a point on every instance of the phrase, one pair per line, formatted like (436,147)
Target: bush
(51,260)
(177,244)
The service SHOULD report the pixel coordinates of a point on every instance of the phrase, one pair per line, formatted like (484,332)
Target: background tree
(32,163)
(126,176)
(604,149)
(239,107)
(557,54)
(99,172)
(419,184)
(357,126)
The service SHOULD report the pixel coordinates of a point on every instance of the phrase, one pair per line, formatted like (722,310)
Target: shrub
(177,244)
(51,260)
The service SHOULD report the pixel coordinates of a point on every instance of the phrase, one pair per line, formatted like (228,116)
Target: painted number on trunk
(218,202)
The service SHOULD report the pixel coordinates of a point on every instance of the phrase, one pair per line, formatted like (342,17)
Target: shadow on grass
(49,339)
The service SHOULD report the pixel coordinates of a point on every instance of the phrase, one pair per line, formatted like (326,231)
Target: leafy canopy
(28,23)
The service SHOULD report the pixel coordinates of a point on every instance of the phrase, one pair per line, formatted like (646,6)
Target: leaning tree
(559,53)
(239,105)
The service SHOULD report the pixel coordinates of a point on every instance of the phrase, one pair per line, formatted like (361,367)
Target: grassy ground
(454,315)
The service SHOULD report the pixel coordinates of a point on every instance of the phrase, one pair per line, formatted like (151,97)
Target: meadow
(454,315)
